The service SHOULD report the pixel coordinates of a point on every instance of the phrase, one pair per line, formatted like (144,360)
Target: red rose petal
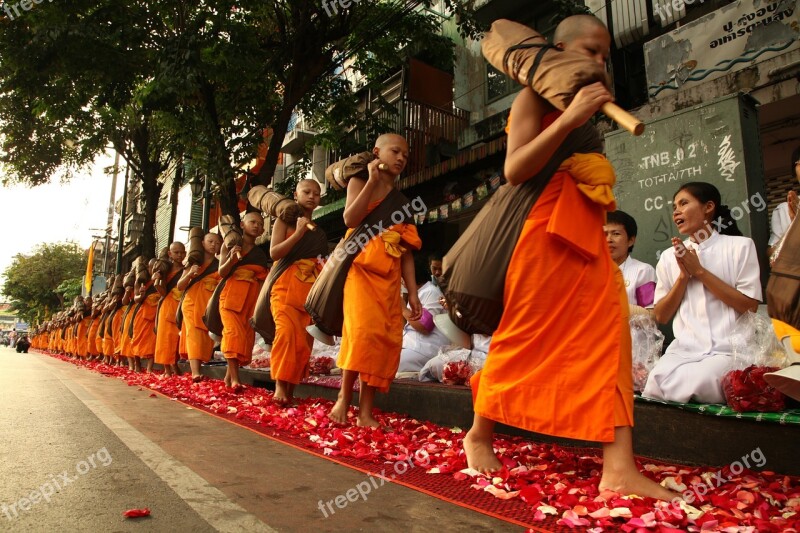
(136,513)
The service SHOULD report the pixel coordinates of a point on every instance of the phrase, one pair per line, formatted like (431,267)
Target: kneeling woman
(706,282)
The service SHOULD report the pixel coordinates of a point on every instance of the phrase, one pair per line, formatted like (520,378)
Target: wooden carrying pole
(623,118)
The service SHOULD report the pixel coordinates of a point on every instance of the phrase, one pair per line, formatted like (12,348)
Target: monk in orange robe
(560,360)
(291,347)
(111,310)
(167,332)
(238,297)
(198,283)
(94,326)
(143,341)
(125,341)
(82,331)
(372,333)
(72,339)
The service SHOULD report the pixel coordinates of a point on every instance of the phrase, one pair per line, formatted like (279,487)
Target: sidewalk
(169,457)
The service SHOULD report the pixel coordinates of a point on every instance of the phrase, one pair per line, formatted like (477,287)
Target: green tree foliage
(70,288)
(72,81)
(210,79)
(35,283)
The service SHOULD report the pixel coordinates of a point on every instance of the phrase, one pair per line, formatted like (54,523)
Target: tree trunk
(173,198)
(266,173)
(151,189)
(228,199)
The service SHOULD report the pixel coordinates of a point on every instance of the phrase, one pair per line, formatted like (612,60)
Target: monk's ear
(559,45)
(376,152)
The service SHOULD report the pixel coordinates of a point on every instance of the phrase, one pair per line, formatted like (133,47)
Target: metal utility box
(717,142)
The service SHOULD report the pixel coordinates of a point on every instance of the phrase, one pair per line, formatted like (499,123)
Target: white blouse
(636,273)
(780,223)
(703,324)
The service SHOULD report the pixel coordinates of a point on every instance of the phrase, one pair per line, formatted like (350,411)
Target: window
(498,84)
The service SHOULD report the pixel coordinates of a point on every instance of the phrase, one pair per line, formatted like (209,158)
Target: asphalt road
(78,449)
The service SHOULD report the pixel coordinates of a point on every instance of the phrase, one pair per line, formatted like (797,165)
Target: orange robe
(82,345)
(117,331)
(108,334)
(126,339)
(91,344)
(196,344)
(560,360)
(167,332)
(291,348)
(372,332)
(69,339)
(236,303)
(143,344)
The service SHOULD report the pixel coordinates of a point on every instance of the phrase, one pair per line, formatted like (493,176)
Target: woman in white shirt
(785,212)
(705,282)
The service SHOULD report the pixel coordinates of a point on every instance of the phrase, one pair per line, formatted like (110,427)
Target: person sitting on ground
(640,278)
(784,213)
(422,340)
(705,282)
(23,344)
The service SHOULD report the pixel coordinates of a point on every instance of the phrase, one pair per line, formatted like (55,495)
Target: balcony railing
(432,132)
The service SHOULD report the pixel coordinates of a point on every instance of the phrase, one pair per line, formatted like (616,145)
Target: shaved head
(388,139)
(575,26)
(252,215)
(307,182)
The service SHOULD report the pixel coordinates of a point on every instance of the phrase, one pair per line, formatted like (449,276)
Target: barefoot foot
(480,455)
(366,420)
(634,482)
(338,414)
(197,379)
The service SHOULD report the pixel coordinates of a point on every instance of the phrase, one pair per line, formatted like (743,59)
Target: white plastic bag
(646,344)
(754,343)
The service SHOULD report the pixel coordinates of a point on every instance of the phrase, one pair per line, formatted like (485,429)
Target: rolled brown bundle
(355,166)
(276,205)
(130,279)
(163,263)
(118,285)
(142,275)
(196,252)
(231,233)
(555,75)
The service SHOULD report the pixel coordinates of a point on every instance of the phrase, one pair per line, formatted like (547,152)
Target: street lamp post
(202,189)
(121,244)
(110,222)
